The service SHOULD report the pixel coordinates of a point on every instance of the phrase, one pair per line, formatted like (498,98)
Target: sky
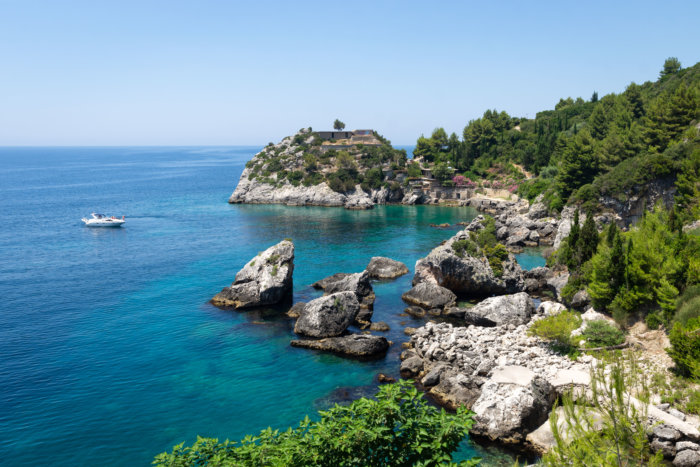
(121,73)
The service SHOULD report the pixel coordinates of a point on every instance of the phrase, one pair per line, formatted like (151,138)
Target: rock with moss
(466,270)
(265,280)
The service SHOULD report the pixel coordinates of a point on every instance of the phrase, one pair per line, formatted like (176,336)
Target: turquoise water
(110,350)
(531,258)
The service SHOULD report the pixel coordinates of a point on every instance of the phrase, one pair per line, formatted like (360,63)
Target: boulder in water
(265,280)
(385,268)
(328,316)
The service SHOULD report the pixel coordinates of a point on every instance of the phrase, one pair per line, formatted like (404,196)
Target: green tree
(598,122)
(588,241)
(338,125)
(579,164)
(594,97)
(633,93)
(671,65)
(441,172)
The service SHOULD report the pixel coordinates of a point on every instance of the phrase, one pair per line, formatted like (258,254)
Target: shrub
(295,177)
(685,348)
(653,321)
(465,245)
(496,255)
(557,330)
(487,236)
(398,427)
(688,305)
(413,170)
(311,179)
(600,333)
(273,258)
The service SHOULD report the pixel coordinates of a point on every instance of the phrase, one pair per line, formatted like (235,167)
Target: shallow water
(110,350)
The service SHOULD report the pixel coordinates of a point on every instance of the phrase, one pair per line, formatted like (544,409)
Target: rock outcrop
(265,280)
(467,276)
(513,402)
(380,267)
(357,283)
(328,316)
(353,345)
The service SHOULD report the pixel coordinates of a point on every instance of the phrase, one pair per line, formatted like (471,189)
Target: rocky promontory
(312,169)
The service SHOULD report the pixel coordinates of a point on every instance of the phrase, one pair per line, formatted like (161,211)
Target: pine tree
(588,240)
(579,164)
(598,122)
(610,234)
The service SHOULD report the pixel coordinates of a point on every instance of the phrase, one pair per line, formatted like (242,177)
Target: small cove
(114,354)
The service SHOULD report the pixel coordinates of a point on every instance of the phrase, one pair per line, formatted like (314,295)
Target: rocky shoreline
(482,357)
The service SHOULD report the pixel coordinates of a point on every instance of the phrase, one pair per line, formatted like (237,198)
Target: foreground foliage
(396,428)
(605,428)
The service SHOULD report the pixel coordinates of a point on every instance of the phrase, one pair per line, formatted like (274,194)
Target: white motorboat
(100,220)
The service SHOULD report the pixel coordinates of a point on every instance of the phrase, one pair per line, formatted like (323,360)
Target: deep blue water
(109,350)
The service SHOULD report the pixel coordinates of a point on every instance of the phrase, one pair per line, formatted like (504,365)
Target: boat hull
(112,224)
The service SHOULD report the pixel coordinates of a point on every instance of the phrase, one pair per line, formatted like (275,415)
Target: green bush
(600,333)
(295,177)
(688,305)
(685,348)
(311,179)
(557,330)
(496,255)
(398,427)
(487,236)
(653,321)
(464,246)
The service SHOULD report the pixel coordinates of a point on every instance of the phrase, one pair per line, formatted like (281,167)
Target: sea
(110,351)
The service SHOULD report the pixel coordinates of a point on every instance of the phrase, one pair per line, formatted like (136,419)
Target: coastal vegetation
(585,149)
(395,428)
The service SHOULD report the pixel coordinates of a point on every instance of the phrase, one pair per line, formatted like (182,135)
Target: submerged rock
(385,268)
(328,316)
(265,280)
(353,345)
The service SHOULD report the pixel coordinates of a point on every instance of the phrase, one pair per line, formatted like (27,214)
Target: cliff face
(301,171)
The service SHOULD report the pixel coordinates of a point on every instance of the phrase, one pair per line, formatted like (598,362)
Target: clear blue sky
(227,73)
